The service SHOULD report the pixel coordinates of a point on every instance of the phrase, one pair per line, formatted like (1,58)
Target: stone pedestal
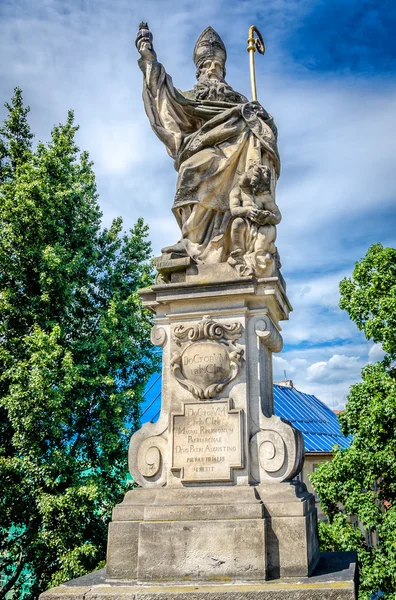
(218,512)
(217,501)
(219,515)
(334,578)
(213,534)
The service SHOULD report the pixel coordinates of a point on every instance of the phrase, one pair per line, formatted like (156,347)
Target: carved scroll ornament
(158,336)
(276,451)
(207,329)
(208,358)
(269,334)
(147,455)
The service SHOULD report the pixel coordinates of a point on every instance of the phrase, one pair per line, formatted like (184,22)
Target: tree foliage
(74,357)
(370,297)
(363,478)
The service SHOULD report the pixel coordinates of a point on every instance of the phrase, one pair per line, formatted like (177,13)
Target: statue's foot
(176,251)
(237,261)
(235,258)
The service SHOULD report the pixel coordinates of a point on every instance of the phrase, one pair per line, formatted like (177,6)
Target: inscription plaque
(205,363)
(207,442)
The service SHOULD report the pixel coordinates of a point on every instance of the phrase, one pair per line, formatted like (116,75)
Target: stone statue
(215,137)
(218,503)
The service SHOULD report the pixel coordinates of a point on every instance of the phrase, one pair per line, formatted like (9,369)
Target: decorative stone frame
(213,335)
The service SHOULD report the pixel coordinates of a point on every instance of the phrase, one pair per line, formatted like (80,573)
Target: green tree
(74,357)
(363,478)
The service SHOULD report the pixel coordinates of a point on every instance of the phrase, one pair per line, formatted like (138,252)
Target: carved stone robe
(211,143)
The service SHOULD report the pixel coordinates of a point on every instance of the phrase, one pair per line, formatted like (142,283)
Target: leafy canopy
(74,357)
(363,478)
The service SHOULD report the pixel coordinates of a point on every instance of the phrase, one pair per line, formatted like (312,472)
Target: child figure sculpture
(253,230)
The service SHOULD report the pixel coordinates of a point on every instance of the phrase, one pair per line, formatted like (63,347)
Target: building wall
(311,460)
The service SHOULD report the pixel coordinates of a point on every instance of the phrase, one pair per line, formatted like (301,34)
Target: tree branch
(11,582)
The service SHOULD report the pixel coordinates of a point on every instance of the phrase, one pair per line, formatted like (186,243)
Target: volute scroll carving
(158,336)
(276,451)
(207,329)
(269,334)
(147,455)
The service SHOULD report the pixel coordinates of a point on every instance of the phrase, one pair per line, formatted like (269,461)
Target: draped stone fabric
(211,143)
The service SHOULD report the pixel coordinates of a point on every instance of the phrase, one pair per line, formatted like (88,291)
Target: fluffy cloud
(376,353)
(326,370)
(334,369)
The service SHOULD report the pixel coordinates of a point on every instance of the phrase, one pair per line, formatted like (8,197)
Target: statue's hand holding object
(144,43)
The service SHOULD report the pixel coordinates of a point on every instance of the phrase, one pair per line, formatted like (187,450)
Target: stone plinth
(213,534)
(218,514)
(217,500)
(333,579)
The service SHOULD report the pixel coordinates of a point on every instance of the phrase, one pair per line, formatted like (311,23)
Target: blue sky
(328,79)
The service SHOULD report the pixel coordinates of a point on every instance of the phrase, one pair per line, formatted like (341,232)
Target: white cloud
(376,353)
(325,371)
(334,369)
(293,366)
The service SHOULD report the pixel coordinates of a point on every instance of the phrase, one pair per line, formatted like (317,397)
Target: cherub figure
(255,215)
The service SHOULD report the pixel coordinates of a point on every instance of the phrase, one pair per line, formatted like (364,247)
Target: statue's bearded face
(211,69)
(211,84)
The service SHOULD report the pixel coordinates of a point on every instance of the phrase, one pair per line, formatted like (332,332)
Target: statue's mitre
(209,45)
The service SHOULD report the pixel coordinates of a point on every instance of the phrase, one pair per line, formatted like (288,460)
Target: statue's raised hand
(144,43)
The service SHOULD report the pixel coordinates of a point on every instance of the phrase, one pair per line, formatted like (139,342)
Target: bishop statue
(225,152)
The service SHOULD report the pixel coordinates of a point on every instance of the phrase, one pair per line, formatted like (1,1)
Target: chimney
(285,383)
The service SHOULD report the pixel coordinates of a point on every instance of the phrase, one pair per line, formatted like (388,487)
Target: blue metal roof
(151,405)
(316,421)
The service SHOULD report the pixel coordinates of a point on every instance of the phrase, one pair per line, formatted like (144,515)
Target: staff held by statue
(254,43)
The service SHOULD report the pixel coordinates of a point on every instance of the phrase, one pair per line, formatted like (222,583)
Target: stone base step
(333,579)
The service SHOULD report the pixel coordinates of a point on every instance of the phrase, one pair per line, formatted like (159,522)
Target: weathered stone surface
(207,357)
(196,550)
(217,294)
(65,591)
(216,427)
(292,546)
(333,579)
(223,355)
(172,269)
(122,550)
(200,526)
(253,231)
(174,264)
(277,451)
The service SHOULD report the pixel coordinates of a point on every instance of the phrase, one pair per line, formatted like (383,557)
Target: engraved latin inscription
(206,363)
(207,442)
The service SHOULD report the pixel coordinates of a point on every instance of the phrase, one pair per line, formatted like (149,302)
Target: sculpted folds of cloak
(212,141)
